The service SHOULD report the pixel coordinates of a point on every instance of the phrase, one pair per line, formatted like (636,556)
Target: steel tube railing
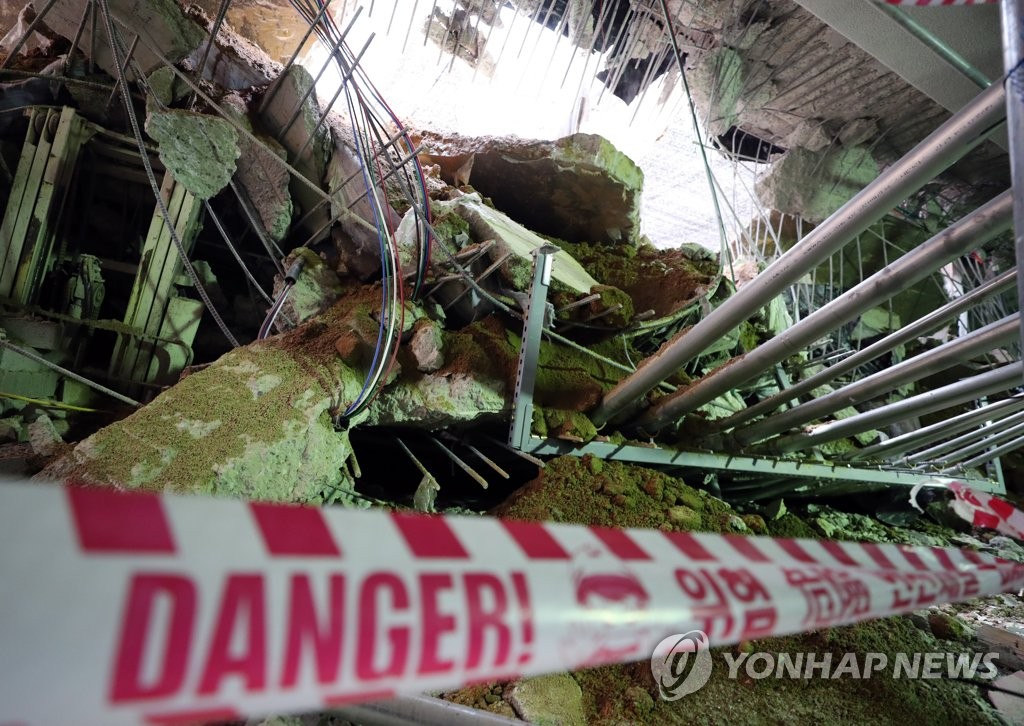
(987,429)
(927,435)
(964,348)
(987,456)
(983,384)
(986,443)
(965,130)
(922,326)
(967,234)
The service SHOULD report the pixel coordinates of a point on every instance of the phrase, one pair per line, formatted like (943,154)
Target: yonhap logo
(681,664)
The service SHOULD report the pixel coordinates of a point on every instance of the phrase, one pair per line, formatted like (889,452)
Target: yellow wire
(48,404)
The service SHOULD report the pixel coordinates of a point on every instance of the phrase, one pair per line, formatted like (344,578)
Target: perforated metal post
(529,349)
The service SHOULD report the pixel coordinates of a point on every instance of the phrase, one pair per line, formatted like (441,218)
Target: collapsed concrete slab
(815,184)
(292,117)
(180,36)
(579,188)
(200,150)
(264,181)
(254,425)
(514,239)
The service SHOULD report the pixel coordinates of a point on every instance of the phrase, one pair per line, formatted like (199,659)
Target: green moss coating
(589,491)
(254,426)
(569,424)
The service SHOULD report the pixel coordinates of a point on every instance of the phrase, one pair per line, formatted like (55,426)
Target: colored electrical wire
(290,278)
(382,155)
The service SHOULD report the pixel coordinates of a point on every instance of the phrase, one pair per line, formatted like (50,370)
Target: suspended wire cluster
(386,155)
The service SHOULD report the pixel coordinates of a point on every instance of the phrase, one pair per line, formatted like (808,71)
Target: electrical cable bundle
(383,155)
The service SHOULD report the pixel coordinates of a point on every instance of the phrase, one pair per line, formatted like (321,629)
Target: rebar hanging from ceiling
(383,154)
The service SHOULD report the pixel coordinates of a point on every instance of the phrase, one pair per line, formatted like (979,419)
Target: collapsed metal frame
(795,476)
(996,429)
(960,134)
(963,132)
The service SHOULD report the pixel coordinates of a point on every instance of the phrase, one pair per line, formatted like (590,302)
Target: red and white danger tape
(930,3)
(985,510)
(128,608)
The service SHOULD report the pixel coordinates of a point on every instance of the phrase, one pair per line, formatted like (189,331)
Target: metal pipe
(1013,59)
(487,460)
(985,430)
(421,711)
(470,471)
(965,235)
(34,357)
(922,326)
(993,439)
(938,431)
(987,456)
(964,130)
(983,384)
(935,44)
(975,343)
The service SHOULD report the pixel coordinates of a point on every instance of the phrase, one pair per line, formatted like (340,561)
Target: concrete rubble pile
(92,281)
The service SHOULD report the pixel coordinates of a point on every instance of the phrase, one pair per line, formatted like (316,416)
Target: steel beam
(922,326)
(911,440)
(977,342)
(965,130)
(967,234)
(936,45)
(762,466)
(1013,60)
(983,384)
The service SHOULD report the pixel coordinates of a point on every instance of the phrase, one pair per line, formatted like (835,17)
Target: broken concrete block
(233,62)
(180,36)
(858,131)
(167,27)
(439,399)
(264,180)
(40,39)
(683,518)
(166,87)
(721,85)
(811,134)
(199,150)
(357,241)
(276,116)
(579,188)
(511,237)
(316,288)
(426,347)
(254,425)
(11,429)
(813,185)
(553,700)
(43,436)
